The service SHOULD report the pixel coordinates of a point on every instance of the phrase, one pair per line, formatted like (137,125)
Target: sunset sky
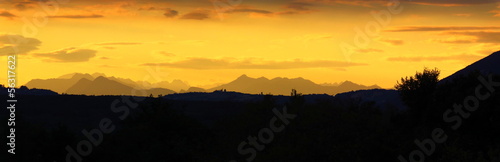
(206,42)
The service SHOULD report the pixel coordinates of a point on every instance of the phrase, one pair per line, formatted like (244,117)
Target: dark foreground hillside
(279,128)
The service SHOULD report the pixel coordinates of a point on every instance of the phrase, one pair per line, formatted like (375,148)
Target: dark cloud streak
(249,11)
(7,14)
(207,63)
(482,36)
(71,54)
(77,16)
(170,13)
(197,15)
(463,57)
(117,43)
(440,28)
(299,6)
(17,44)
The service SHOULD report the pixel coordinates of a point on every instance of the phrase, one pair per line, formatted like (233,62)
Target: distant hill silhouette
(282,86)
(487,65)
(196,89)
(157,91)
(382,98)
(23,90)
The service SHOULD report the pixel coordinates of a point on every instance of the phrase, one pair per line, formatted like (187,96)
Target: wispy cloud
(165,53)
(167,12)
(481,36)
(296,8)
(289,9)
(77,16)
(150,8)
(249,10)
(197,15)
(117,43)
(21,6)
(440,28)
(371,3)
(7,14)
(17,44)
(170,13)
(496,12)
(299,6)
(456,40)
(485,48)
(208,63)
(453,2)
(394,42)
(71,54)
(462,57)
(369,50)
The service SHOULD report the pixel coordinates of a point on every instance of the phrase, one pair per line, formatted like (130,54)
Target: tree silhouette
(423,83)
(416,91)
(296,98)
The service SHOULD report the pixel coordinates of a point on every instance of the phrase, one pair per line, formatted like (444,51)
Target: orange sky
(205,42)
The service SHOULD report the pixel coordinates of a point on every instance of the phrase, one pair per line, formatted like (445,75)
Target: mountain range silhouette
(86,84)
(100,84)
(282,86)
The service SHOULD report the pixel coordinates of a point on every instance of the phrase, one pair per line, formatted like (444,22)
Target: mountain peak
(485,66)
(279,78)
(66,76)
(262,78)
(244,76)
(348,83)
(95,75)
(101,78)
(83,80)
(79,76)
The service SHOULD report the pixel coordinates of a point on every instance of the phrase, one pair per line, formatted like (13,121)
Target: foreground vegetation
(329,130)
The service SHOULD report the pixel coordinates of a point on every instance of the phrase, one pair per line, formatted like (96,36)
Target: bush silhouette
(416,90)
